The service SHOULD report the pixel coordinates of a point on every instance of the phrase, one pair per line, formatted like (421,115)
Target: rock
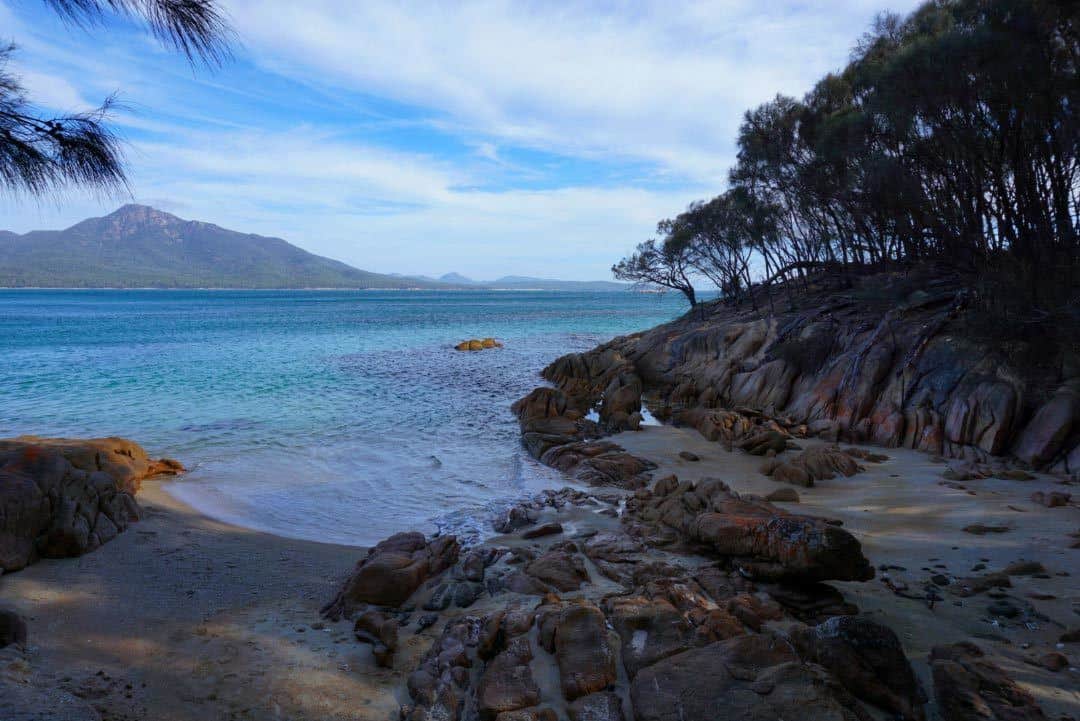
(516,517)
(766,542)
(759,444)
(747,678)
(783,495)
(381,632)
(507,683)
(1004,609)
(866,455)
(1054,661)
(529,714)
(815,464)
(562,570)
(968,687)
(979,529)
(867,658)
(576,633)
(688,456)
(13,629)
(1051,499)
(548,529)
(600,464)
(63,497)
(436,686)
(1045,435)
(965,587)
(650,630)
(811,603)
(596,707)
(478,344)
(392,571)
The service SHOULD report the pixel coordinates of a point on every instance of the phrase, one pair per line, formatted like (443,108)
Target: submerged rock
(478,344)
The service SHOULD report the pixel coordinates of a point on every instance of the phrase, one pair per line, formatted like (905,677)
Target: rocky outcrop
(969,687)
(392,571)
(643,657)
(763,541)
(870,363)
(63,497)
(555,431)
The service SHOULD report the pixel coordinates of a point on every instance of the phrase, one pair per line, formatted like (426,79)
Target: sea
(335,416)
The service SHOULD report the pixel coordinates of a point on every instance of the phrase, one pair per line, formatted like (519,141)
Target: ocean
(337,416)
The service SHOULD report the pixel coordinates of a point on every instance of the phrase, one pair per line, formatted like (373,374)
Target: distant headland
(141,247)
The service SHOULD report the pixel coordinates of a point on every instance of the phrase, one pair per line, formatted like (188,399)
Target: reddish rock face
(895,374)
(64,497)
(766,542)
(392,571)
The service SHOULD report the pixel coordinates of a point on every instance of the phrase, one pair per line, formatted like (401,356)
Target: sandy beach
(182,617)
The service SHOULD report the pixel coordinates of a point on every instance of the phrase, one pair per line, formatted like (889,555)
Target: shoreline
(187,617)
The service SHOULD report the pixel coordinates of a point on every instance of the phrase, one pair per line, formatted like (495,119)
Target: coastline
(186,617)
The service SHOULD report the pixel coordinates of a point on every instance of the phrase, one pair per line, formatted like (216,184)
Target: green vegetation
(951,138)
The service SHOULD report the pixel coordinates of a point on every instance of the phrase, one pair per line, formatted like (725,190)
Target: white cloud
(393,211)
(661,81)
(52,92)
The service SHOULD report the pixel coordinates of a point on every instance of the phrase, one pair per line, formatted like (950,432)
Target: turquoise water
(329,415)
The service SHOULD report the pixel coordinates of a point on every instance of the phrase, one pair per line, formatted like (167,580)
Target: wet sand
(905,517)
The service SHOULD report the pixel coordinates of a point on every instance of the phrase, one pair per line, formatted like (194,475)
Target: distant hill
(140,247)
(518,282)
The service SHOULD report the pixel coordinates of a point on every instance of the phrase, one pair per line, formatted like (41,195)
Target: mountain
(140,247)
(457,279)
(519,282)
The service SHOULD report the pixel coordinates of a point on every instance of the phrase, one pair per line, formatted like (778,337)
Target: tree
(951,137)
(665,264)
(41,153)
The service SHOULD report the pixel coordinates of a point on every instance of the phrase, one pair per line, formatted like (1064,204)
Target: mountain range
(140,247)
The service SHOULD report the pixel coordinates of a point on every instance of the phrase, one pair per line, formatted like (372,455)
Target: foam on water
(327,415)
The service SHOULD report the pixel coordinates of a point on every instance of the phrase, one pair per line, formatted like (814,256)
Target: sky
(486,138)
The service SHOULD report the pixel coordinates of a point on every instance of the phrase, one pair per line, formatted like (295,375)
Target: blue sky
(487,138)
